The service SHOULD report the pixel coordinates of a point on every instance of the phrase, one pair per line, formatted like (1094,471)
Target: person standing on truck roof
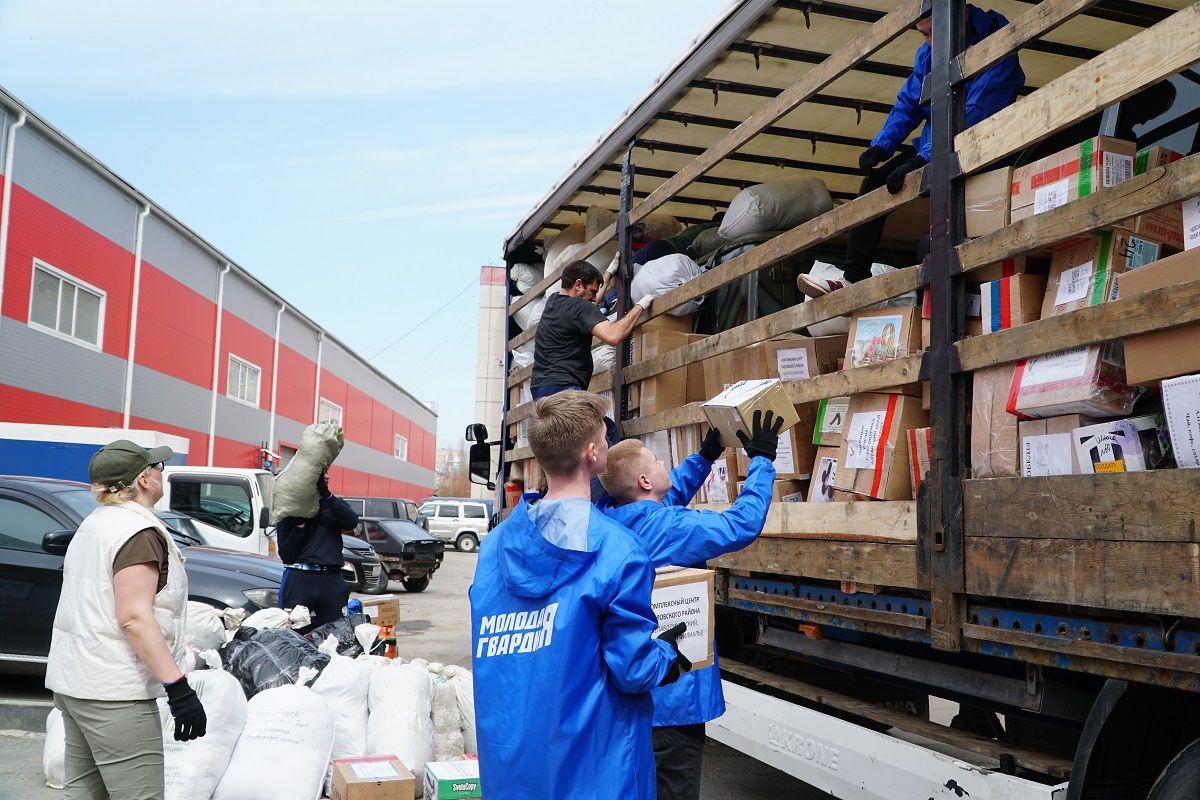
(312,549)
(118,638)
(653,504)
(986,93)
(561,631)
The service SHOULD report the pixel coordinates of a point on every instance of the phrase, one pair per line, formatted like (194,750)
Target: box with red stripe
(873,459)
(1084,380)
(1012,301)
(920,454)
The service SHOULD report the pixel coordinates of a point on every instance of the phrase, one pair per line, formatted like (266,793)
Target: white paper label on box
(1063,366)
(1075,284)
(1191,223)
(826,475)
(716,486)
(792,364)
(1049,454)
(375,770)
(685,602)
(974,305)
(1181,406)
(1117,168)
(1051,196)
(862,440)
(785,463)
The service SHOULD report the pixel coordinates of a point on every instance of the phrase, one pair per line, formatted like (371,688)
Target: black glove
(323,485)
(681,663)
(764,435)
(711,448)
(190,720)
(872,157)
(895,180)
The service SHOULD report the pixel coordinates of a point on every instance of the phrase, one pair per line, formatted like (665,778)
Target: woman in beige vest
(118,634)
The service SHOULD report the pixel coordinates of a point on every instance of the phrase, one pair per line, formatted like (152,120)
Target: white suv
(461,522)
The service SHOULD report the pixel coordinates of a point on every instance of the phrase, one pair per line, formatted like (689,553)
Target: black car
(406,550)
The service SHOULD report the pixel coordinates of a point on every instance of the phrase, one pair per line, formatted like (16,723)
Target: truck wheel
(1181,779)
(416,584)
(466,543)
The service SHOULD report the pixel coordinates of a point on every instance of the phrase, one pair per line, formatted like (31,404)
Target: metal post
(942,532)
(501,439)
(622,281)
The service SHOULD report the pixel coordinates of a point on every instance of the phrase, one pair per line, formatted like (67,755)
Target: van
(234,503)
(462,522)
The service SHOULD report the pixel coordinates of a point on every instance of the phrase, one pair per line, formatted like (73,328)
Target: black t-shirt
(562,349)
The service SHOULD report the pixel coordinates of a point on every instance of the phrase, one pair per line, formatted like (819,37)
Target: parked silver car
(461,522)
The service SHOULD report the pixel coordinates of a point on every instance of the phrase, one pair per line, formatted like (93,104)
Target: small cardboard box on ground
(733,409)
(1012,301)
(794,358)
(987,197)
(1085,380)
(1162,224)
(1016,265)
(452,780)
(993,429)
(724,370)
(1181,407)
(1137,444)
(683,594)
(384,609)
(1084,273)
(1070,174)
(1046,448)
(873,459)
(372,778)
(820,488)
(1151,357)
(920,455)
(831,418)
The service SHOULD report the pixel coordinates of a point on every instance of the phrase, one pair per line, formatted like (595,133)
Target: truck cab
(234,503)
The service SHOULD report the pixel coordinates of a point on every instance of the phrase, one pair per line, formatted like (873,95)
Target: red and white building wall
(71,233)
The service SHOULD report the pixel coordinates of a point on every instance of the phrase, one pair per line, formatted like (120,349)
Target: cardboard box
(993,429)
(881,334)
(733,409)
(1122,445)
(686,595)
(1028,264)
(873,459)
(1045,446)
(909,222)
(1152,357)
(1162,224)
(1181,407)
(452,780)
(695,374)
(783,491)
(820,488)
(1084,380)
(1191,223)
(1085,272)
(384,609)
(796,448)
(665,390)
(1070,174)
(372,778)
(795,358)
(726,369)
(974,323)
(831,417)
(1012,301)
(920,455)
(987,196)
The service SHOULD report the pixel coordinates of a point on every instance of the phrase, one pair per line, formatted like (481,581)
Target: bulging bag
(296,487)
(193,769)
(205,628)
(657,277)
(401,720)
(263,659)
(775,206)
(345,684)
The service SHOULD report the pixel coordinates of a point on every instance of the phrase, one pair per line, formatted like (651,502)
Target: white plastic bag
(54,750)
(570,236)
(401,721)
(193,769)
(447,722)
(464,692)
(657,277)
(841,325)
(345,683)
(284,748)
(205,628)
(775,206)
(526,276)
(266,618)
(528,316)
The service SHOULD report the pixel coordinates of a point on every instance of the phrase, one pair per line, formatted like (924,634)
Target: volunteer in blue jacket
(561,631)
(988,92)
(653,504)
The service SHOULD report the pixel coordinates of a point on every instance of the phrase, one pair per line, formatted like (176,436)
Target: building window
(66,307)
(329,412)
(243,381)
(400,448)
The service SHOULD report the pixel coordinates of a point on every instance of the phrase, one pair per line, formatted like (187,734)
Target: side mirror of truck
(55,542)
(477,432)
(480,462)
(264,517)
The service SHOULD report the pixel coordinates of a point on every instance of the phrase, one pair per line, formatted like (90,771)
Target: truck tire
(1181,779)
(466,543)
(416,584)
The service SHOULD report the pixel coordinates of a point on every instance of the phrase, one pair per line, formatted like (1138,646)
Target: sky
(362,158)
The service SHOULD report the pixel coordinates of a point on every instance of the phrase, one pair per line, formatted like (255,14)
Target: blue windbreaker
(674,534)
(564,663)
(987,93)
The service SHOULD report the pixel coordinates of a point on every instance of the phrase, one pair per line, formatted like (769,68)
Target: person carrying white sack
(118,634)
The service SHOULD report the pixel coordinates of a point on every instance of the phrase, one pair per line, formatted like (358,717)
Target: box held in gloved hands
(372,778)
(733,409)
(683,594)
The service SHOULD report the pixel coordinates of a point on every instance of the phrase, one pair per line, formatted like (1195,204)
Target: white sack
(193,769)
(523,356)
(344,683)
(54,750)
(654,226)
(205,628)
(528,316)
(526,276)
(464,692)
(284,748)
(401,721)
(571,235)
(775,206)
(372,663)
(657,277)
(447,722)
(841,325)
(266,618)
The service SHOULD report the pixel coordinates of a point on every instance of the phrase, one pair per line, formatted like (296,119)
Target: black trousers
(678,750)
(323,593)
(863,241)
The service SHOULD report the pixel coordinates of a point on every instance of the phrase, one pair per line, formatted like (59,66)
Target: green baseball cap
(118,464)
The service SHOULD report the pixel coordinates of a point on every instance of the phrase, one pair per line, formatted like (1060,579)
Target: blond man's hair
(626,462)
(561,426)
(105,497)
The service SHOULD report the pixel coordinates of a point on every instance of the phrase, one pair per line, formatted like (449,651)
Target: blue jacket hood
(529,565)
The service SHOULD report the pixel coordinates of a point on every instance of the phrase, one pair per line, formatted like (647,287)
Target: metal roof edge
(729,26)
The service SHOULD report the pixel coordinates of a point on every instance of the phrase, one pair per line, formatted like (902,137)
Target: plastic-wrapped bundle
(296,487)
(464,693)
(263,659)
(401,720)
(775,206)
(342,631)
(448,742)
(205,627)
(345,683)
(526,276)
(194,769)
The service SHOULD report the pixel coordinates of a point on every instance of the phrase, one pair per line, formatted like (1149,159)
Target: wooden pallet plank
(1034,23)
(886,522)
(892,565)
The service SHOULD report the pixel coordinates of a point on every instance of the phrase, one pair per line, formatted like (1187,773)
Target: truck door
(225,502)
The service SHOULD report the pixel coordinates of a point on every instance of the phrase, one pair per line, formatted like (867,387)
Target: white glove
(612,268)
(645,302)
